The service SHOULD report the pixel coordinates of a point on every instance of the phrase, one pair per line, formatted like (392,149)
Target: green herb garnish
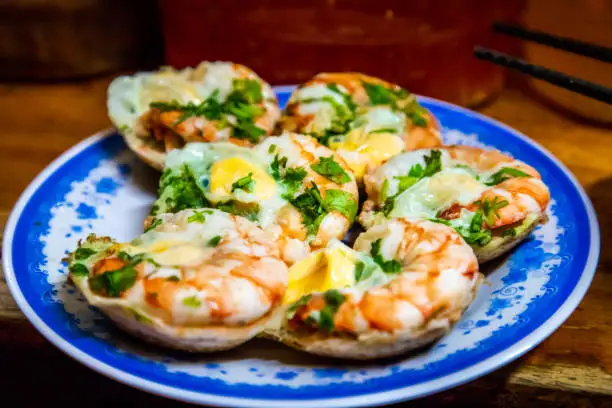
(245,183)
(178,190)
(384,130)
(290,177)
(504,174)
(433,165)
(197,216)
(310,204)
(331,170)
(78,269)
(192,301)
(324,318)
(292,310)
(388,266)
(83,253)
(214,241)
(156,222)
(341,201)
(378,94)
(490,209)
(248,211)
(113,283)
(510,232)
(240,104)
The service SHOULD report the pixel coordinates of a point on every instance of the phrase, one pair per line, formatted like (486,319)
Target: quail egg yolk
(323,270)
(372,148)
(224,173)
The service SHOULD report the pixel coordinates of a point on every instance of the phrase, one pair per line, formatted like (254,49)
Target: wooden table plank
(572,368)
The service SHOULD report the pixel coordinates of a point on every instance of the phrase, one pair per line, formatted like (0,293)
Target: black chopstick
(562,43)
(571,83)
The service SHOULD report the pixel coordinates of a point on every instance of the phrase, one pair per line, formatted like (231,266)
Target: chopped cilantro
(277,166)
(504,174)
(291,178)
(475,234)
(324,318)
(272,148)
(114,283)
(131,259)
(342,202)
(359,269)
(248,130)
(347,98)
(245,183)
(331,170)
(240,104)
(83,253)
(310,204)
(214,241)
(441,221)
(433,164)
(248,211)
(303,301)
(384,130)
(343,116)
(78,269)
(417,117)
(249,89)
(210,108)
(173,278)
(388,205)
(178,190)
(388,266)
(510,232)
(314,208)
(384,190)
(197,216)
(155,223)
(378,94)
(490,209)
(192,301)
(140,317)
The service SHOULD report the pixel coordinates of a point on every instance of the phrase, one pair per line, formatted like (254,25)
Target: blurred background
(57,58)
(424,45)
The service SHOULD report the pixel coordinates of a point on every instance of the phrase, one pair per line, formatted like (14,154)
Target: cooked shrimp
(202,128)
(365,119)
(216,101)
(479,192)
(193,270)
(433,279)
(323,201)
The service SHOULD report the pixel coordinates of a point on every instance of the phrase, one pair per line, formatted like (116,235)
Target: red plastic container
(425,46)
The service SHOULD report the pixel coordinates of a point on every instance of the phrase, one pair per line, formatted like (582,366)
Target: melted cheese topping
(323,111)
(219,75)
(430,195)
(172,252)
(383,117)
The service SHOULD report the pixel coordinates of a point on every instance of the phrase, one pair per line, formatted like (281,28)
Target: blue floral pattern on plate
(99,186)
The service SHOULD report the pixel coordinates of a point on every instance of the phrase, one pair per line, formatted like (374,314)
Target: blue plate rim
(492,363)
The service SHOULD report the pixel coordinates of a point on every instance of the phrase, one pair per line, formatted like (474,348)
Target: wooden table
(572,368)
